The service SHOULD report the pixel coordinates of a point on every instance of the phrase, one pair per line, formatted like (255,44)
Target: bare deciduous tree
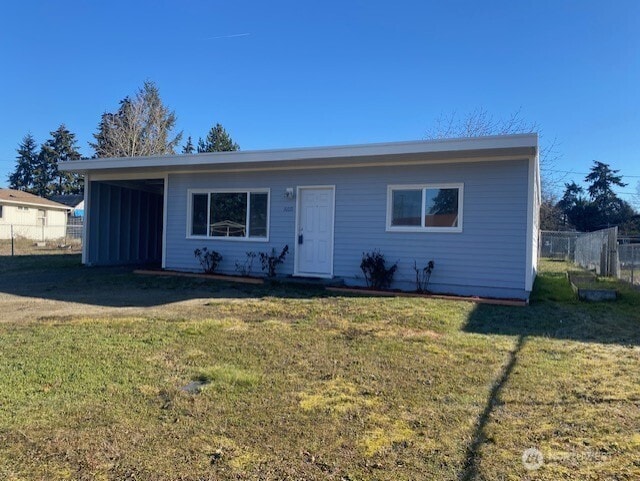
(480,123)
(141,126)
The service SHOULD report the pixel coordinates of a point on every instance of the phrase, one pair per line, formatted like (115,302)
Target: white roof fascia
(491,143)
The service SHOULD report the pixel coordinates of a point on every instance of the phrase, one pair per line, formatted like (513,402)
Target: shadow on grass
(472,456)
(63,278)
(555,312)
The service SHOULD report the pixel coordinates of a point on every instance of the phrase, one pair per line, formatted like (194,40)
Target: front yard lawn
(301,384)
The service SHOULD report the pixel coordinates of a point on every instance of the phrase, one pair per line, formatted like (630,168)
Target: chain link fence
(603,252)
(560,245)
(629,257)
(598,251)
(20,239)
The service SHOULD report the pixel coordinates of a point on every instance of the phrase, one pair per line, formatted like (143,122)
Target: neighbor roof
(18,197)
(71,200)
(503,146)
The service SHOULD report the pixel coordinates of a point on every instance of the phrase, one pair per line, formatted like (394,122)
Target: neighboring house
(74,201)
(75,216)
(471,205)
(32,217)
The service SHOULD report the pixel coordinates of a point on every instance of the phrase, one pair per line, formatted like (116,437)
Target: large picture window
(415,208)
(238,214)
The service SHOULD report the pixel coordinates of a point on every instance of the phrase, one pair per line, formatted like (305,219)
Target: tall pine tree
(22,177)
(602,178)
(47,178)
(62,148)
(218,140)
(603,208)
(188,148)
(43,172)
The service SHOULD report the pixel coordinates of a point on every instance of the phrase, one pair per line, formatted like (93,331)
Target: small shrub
(270,261)
(375,271)
(423,275)
(209,260)
(246,268)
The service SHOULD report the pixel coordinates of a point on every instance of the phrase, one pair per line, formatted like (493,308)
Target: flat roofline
(517,144)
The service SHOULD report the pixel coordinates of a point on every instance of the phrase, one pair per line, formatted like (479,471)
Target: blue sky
(306,73)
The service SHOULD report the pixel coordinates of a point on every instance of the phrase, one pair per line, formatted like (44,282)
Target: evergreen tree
(43,172)
(62,148)
(201,146)
(188,148)
(142,125)
(48,179)
(603,208)
(601,179)
(22,177)
(103,146)
(218,140)
(572,194)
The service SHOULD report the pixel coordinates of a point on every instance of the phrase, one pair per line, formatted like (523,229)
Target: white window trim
(392,228)
(44,217)
(190,193)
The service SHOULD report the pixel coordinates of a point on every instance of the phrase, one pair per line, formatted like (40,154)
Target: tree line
(37,167)
(595,208)
(141,126)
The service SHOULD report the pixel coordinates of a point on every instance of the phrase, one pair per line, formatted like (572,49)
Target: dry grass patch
(336,396)
(388,434)
(302,385)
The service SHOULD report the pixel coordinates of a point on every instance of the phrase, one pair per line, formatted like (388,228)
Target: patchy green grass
(305,385)
(227,376)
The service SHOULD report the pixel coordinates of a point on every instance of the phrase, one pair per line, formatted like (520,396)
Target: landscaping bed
(589,287)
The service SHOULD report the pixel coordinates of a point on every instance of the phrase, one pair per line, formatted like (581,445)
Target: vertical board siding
(487,258)
(125,227)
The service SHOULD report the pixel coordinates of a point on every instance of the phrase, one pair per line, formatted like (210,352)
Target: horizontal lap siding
(490,252)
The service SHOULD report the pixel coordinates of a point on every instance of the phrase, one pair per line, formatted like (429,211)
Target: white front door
(314,241)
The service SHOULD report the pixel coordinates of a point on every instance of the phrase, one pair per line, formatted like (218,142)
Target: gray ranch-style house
(471,205)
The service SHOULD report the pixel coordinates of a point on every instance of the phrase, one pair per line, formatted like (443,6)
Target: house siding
(487,258)
(26,224)
(125,226)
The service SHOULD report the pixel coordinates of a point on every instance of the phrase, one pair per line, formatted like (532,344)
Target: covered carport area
(123,221)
